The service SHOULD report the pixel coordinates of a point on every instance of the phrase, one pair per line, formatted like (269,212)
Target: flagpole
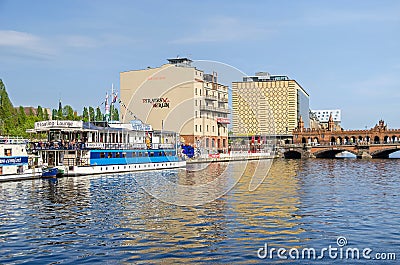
(112,100)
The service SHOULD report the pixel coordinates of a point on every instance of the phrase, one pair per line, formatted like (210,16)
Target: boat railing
(108,146)
(12,140)
(97,145)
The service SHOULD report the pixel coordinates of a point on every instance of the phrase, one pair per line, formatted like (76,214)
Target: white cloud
(16,38)
(223,29)
(26,44)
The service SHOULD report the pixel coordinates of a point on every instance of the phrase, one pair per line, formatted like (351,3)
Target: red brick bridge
(377,142)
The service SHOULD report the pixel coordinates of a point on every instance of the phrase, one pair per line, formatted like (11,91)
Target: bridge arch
(333,140)
(376,140)
(353,139)
(331,153)
(394,138)
(386,139)
(292,154)
(384,153)
(303,140)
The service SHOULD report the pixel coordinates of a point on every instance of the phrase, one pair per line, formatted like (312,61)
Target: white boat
(15,164)
(83,148)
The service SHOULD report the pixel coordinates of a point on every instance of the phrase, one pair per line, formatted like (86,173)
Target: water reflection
(112,219)
(270,212)
(197,185)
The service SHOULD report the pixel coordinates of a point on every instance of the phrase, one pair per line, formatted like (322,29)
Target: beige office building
(178,97)
(268,105)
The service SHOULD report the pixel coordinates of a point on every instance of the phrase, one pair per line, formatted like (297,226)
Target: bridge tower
(331,123)
(300,124)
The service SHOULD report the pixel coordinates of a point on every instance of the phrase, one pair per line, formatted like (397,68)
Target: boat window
(102,155)
(7,152)
(151,153)
(1,170)
(117,155)
(140,153)
(109,155)
(123,154)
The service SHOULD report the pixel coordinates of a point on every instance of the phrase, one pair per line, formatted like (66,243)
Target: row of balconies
(215,98)
(215,109)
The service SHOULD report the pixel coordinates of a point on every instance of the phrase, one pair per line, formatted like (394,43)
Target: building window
(207,128)
(213,128)
(200,128)
(195,91)
(195,114)
(7,152)
(195,128)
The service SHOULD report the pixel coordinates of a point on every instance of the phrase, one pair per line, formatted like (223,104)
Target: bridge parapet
(361,150)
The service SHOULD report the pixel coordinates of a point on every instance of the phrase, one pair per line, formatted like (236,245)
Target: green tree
(21,116)
(7,111)
(68,113)
(54,114)
(85,114)
(45,115)
(99,115)
(39,113)
(114,114)
(60,115)
(91,114)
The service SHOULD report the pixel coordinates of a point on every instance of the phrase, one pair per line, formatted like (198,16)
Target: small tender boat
(15,164)
(50,172)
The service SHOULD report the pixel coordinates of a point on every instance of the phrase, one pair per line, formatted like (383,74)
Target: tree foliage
(99,115)
(85,114)
(114,113)
(15,121)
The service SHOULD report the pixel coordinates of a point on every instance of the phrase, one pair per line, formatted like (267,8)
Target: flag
(107,107)
(114,95)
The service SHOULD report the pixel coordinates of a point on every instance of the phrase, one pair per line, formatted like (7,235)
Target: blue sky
(344,53)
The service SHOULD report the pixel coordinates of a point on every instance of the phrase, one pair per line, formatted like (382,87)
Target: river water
(112,219)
